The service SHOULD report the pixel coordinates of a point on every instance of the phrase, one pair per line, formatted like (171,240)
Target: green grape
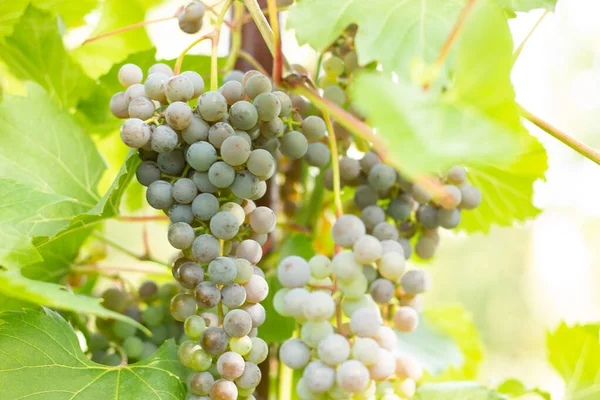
(201,155)
(233,91)
(153,315)
(97,342)
(204,206)
(235,150)
(147,350)
(185,351)
(317,155)
(178,115)
(333,66)
(114,299)
(214,340)
(314,128)
(221,175)
(182,306)
(241,345)
(212,106)
(171,163)
(271,129)
(268,106)
(200,361)
(261,163)
(336,94)
(193,326)
(294,145)
(123,329)
(218,133)
(257,84)
(245,185)
(243,115)
(159,334)
(133,347)
(111,359)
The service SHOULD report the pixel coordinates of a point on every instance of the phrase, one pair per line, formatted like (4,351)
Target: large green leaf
(446,343)
(98,57)
(393,32)
(574,352)
(423,132)
(42,360)
(455,391)
(512,6)
(35,52)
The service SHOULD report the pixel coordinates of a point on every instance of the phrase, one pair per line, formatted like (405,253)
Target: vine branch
(335,166)
(570,141)
(278,56)
(253,61)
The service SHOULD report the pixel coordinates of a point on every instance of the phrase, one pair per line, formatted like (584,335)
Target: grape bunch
(115,342)
(393,208)
(360,358)
(204,166)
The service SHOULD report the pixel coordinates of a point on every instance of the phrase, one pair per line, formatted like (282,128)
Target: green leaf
(98,57)
(454,391)
(446,343)
(43,360)
(424,132)
(574,352)
(507,190)
(515,388)
(35,52)
(512,6)
(16,286)
(395,33)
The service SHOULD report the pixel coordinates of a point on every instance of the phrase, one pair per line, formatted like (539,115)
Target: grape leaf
(446,343)
(574,352)
(516,388)
(43,360)
(16,286)
(455,390)
(425,133)
(98,57)
(392,32)
(35,52)
(513,6)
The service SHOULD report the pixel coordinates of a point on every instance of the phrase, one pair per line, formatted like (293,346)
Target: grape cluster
(359,358)
(204,167)
(393,208)
(114,340)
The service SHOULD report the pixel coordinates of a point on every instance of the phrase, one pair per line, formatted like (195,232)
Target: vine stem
(179,61)
(278,56)
(265,11)
(253,61)
(566,139)
(359,128)
(261,23)
(131,27)
(335,166)
(533,29)
(214,68)
(445,50)
(127,251)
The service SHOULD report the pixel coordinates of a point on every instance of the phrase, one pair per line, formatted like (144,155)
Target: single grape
(155,86)
(352,376)
(212,106)
(201,155)
(183,306)
(164,139)
(406,319)
(171,163)
(178,115)
(345,267)
(354,289)
(214,340)
(319,307)
(294,145)
(250,250)
(200,361)
(369,160)
(153,316)
(365,196)
(271,129)
(201,382)
(244,271)
(293,272)
(392,265)
(196,131)
(317,155)
(250,378)
(193,326)
(263,220)
(123,329)
(190,27)
(365,322)
(257,289)
(147,172)
(97,342)
(385,231)
(242,345)
(448,219)
(286,103)
(335,94)
(349,169)
(256,85)
(294,353)
(268,106)
(134,91)
(141,107)
(371,216)
(179,88)
(450,199)
(382,177)
(181,235)
(243,115)
(222,270)
(259,351)
(236,210)
(190,274)
(218,133)
(206,248)
(230,365)
(365,351)
(111,360)
(416,281)
(204,206)
(207,294)
(457,175)
(224,225)
(384,367)
(421,194)
(245,185)
(407,367)
(367,249)
(184,190)
(160,195)
(233,91)
(221,175)
(118,105)
(470,197)
(249,74)
(237,323)
(244,135)
(201,180)
(257,314)
(382,290)
(319,377)
(234,75)
(223,390)
(334,349)
(185,351)
(193,11)
(130,74)
(197,82)
(333,66)
(293,302)
(347,229)
(135,133)
(235,150)
(400,208)
(261,163)
(233,295)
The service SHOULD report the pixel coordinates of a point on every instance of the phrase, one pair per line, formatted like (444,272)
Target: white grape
(352,376)
(365,350)
(334,349)
(365,322)
(293,271)
(294,353)
(319,306)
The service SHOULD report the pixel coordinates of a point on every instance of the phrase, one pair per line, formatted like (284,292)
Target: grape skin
(204,185)
(230,365)
(201,156)
(263,220)
(133,91)
(171,163)
(250,250)
(317,155)
(352,376)
(178,115)
(261,163)
(159,195)
(235,150)
(245,185)
(179,88)
(218,133)
(237,323)
(147,172)
(221,175)
(384,367)
(406,319)
(259,351)
(250,378)
(365,350)
(141,107)
(197,82)
(155,86)
(201,382)
(319,307)
(334,349)
(243,115)
(294,353)
(345,267)
(204,206)
(222,270)
(182,306)
(319,377)
(294,145)
(293,272)
(367,249)
(347,229)
(181,235)
(256,85)
(207,294)
(257,289)
(267,106)
(365,322)
(212,106)
(372,215)
(130,74)
(416,281)
(196,131)
(205,248)
(233,91)
(223,389)
(118,106)
(382,291)
(135,133)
